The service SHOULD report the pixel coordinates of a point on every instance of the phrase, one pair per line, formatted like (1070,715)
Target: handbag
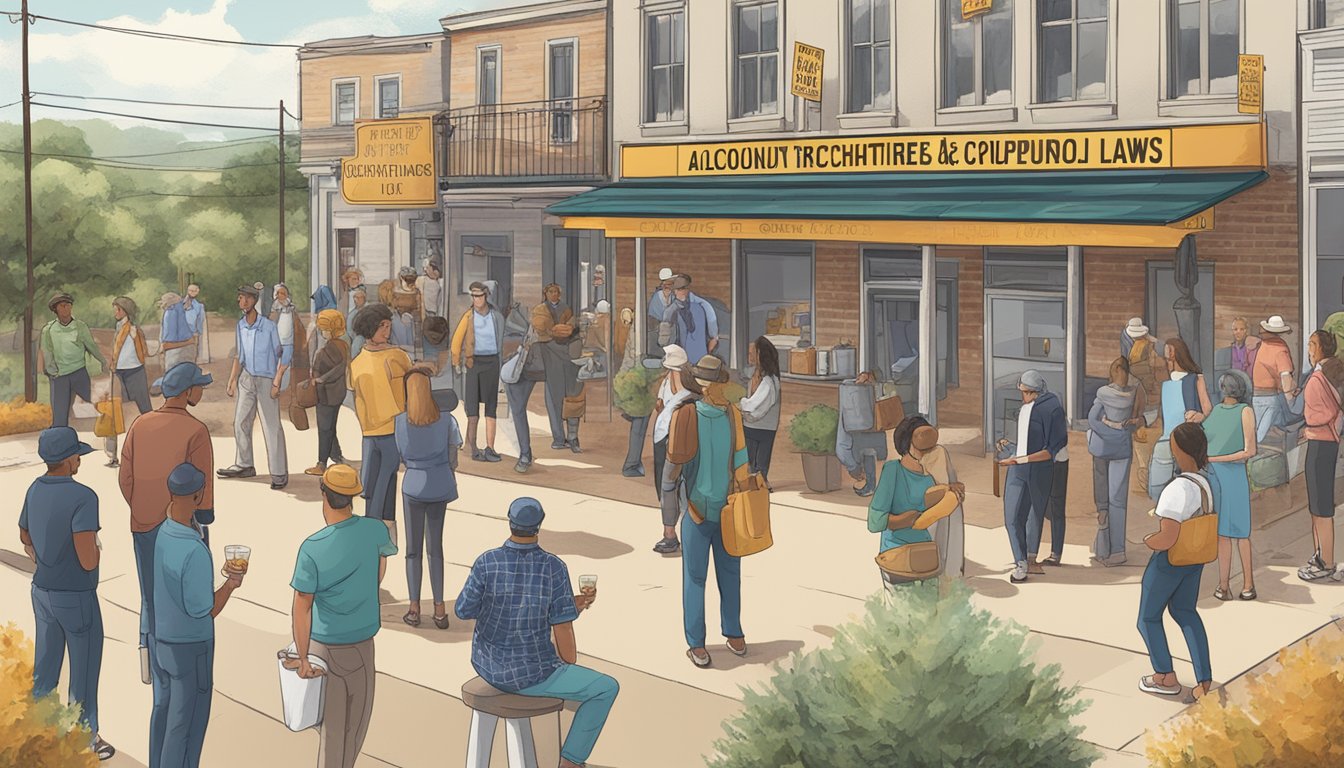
(511,372)
(1197,542)
(305,394)
(301,700)
(887,413)
(110,421)
(910,562)
(744,520)
(298,415)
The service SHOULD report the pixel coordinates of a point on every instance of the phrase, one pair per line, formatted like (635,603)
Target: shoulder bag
(745,519)
(1197,543)
(512,369)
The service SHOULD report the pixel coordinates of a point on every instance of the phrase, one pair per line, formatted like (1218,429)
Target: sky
(73,60)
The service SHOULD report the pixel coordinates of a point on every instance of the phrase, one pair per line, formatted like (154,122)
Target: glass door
(1024,331)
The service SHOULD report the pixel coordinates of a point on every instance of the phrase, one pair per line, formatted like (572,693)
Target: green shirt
(1223,429)
(898,491)
(338,566)
(65,347)
(709,490)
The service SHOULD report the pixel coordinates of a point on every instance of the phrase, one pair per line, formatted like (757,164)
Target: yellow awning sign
(393,164)
(807,69)
(972,8)
(1250,84)
(1208,146)
(973,233)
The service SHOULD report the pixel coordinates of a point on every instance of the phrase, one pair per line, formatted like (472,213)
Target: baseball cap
(525,515)
(185,480)
(182,377)
(56,444)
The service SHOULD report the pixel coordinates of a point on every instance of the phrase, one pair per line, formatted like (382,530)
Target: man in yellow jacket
(476,346)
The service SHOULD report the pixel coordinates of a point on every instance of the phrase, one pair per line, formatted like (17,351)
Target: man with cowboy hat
(1272,377)
(63,353)
(710,435)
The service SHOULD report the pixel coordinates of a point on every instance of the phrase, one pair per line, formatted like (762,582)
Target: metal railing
(555,140)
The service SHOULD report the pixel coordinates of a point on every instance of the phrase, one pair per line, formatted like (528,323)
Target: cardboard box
(803,361)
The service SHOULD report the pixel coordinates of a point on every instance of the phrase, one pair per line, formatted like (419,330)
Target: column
(928,334)
(1074,358)
(641,301)
(735,266)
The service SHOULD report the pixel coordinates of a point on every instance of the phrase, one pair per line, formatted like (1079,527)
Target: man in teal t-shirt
(336,578)
(65,347)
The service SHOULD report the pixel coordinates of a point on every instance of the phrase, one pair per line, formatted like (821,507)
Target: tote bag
(744,520)
(1197,543)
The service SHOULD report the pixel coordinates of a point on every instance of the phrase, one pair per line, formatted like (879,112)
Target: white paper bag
(301,699)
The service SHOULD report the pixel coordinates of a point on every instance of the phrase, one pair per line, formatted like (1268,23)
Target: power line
(200,196)
(222,145)
(157,103)
(104,163)
(154,119)
(165,35)
(11,104)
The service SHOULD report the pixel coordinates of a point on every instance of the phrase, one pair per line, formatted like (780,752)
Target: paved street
(669,713)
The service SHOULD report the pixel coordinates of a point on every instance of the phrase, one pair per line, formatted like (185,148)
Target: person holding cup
(184,626)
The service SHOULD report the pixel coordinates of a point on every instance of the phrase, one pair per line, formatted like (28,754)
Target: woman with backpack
(1184,399)
(1230,429)
(1322,412)
(1171,588)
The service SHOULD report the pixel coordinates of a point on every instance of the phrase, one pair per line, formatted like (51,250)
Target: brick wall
(838,292)
(964,406)
(708,262)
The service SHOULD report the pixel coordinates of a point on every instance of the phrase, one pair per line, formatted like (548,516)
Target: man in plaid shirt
(520,595)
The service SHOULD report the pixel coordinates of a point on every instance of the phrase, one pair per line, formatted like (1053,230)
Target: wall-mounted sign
(393,164)
(972,8)
(807,68)
(1204,146)
(1250,84)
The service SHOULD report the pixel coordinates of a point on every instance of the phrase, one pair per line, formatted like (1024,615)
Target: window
(426,241)
(1327,13)
(345,249)
(560,64)
(777,292)
(389,96)
(487,73)
(345,102)
(487,257)
(1205,37)
(1329,247)
(869,55)
(665,90)
(977,56)
(757,55)
(1072,49)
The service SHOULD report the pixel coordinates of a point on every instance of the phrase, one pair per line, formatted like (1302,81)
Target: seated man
(519,595)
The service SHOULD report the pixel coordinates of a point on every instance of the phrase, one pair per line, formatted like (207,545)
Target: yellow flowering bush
(1290,717)
(18,417)
(36,733)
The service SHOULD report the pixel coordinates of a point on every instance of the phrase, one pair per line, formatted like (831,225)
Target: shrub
(921,680)
(734,391)
(36,733)
(813,430)
(18,417)
(1335,324)
(1291,716)
(634,390)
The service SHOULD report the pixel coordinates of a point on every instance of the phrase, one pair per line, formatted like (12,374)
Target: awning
(1119,208)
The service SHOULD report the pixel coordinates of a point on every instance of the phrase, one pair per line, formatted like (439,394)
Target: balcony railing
(535,141)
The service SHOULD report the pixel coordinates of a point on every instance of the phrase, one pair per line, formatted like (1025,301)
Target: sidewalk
(669,713)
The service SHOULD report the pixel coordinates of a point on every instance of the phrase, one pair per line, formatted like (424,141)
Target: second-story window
(869,55)
(1072,49)
(487,70)
(561,90)
(346,98)
(665,94)
(1205,38)
(977,55)
(757,58)
(389,97)
(1327,13)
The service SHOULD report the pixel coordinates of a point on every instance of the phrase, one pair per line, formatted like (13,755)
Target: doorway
(1024,331)
(891,321)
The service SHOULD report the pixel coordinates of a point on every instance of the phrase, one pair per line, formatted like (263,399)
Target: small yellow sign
(807,68)
(1250,84)
(972,8)
(393,164)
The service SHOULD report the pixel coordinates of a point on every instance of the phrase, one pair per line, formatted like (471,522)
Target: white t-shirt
(1023,428)
(1182,500)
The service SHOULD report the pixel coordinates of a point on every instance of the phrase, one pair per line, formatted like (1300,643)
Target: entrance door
(1024,331)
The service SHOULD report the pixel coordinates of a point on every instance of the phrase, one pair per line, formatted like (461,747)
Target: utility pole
(282,193)
(29,365)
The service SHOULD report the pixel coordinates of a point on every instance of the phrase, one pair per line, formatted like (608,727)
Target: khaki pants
(347,704)
(1144,440)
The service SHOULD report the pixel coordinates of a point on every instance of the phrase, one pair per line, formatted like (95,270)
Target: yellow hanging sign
(807,68)
(393,164)
(972,8)
(1250,84)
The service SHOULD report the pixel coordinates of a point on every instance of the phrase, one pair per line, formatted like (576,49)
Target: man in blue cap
(520,596)
(59,529)
(184,626)
(156,443)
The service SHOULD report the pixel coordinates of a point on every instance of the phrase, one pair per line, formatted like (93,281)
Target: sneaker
(633,472)
(1315,572)
(667,546)
(559,445)
(1315,560)
(865,491)
(477,455)
(491,455)
(574,445)
(1149,684)
(316,471)
(1019,574)
(524,464)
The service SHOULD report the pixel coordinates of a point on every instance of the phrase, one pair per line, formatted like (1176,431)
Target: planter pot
(822,472)
(634,454)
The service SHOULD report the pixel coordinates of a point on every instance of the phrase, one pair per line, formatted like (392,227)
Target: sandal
(103,750)
(1149,684)
(441,621)
(698,660)
(412,618)
(1248,594)
(735,651)
(1222,594)
(1051,560)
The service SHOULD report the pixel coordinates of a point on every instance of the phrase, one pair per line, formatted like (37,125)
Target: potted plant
(633,388)
(812,432)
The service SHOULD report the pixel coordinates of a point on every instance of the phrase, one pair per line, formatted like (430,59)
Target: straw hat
(709,370)
(1275,324)
(1136,329)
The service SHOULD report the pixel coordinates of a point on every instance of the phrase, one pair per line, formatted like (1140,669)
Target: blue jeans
(69,621)
(143,544)
(183,684)
(1269,413)
(595,693)
(1175,589)
(519,393)
(381,460)
(698,540)
(1027,490)
(1110,490)
(1056,485)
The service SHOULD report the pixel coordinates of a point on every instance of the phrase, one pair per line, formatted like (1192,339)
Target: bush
(813,430)
(18,417)
(1291,717)
(36,733)
(1335,324)
(633,389)
(734,391)
(922,680)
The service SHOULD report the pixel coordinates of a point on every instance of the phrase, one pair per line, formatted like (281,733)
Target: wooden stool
(488,704)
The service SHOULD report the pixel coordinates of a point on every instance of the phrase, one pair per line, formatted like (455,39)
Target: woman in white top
(678,387)
(760,408)
(1171,588)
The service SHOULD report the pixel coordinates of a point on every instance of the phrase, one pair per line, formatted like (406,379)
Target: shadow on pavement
(17,561)
(582,544)
(458,631)
(757,653)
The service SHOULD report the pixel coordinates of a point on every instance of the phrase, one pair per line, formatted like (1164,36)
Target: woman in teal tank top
(1230,428)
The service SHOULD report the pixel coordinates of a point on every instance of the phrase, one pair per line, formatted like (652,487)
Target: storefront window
(1205,42)
(891,344)
(426,241)
(1327,13)
(757,55)
(1072,44)
(977,56)
(487,257)
(665,94)
(777,293)
(869,55)
(1329,217)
